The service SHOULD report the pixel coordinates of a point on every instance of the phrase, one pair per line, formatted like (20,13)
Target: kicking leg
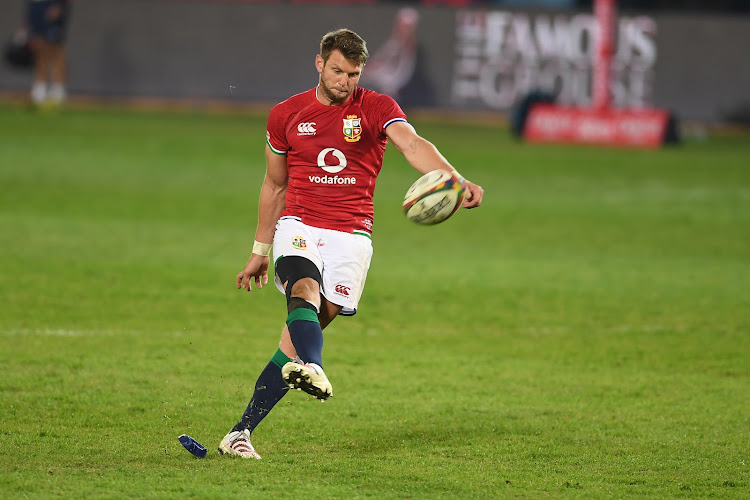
(309,377)
(302,282)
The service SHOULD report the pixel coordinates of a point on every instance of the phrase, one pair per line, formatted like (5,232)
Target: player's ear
(319,63)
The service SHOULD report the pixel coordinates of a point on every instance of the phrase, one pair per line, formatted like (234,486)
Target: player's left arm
(425,157)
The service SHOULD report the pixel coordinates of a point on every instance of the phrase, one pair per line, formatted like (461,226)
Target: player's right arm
(425,157)
(270,206)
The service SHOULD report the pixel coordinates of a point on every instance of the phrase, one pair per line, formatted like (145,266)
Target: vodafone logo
(342,290)
(306,128)
(333,161)
(332,169)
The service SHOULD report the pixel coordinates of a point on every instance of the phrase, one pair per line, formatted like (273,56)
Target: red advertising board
(604,126)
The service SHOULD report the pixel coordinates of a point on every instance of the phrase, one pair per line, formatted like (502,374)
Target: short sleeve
(388,111)
(276,131)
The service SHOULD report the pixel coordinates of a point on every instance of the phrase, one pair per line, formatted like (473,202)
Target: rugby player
(324,151)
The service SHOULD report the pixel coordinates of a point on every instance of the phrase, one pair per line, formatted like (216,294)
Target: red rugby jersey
(334,155)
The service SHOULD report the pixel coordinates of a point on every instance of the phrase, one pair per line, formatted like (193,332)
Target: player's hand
(473,196)
(256,268)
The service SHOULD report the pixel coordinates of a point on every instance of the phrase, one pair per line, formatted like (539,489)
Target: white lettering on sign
(501,56)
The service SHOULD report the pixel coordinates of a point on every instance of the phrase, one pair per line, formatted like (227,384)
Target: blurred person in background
(47,21)
(392,65)
(396,68)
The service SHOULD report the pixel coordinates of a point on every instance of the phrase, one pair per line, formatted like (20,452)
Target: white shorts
(343,259)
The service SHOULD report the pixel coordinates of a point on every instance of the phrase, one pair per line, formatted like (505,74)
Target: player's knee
(307,288)
(302,278)
(305,293)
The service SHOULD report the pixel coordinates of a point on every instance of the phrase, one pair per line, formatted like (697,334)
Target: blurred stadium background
(684,56)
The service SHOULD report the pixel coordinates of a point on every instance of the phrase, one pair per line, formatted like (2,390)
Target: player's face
(338,78)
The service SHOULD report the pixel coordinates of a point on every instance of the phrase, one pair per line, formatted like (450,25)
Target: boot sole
(299,378)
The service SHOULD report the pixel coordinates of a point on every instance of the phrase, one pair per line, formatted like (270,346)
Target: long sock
(269,389)
(306,335)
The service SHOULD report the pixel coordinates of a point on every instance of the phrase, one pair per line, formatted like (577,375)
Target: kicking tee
(334,155)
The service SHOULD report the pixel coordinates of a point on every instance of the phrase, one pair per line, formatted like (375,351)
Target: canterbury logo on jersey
(342,290)
(306,128)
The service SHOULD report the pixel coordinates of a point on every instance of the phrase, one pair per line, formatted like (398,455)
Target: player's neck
(320,99)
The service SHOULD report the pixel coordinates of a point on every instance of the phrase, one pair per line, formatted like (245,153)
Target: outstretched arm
(271,203)
(425,157)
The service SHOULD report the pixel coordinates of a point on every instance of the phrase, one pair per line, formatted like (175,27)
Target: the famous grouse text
(500,56)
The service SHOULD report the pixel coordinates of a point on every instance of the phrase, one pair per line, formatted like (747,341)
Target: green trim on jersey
(280,153)
(362,233)
(280,359)
(303,315)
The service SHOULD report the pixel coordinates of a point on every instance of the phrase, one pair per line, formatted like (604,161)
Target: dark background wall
(263,52)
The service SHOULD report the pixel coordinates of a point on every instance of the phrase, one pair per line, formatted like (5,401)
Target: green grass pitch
(584,334)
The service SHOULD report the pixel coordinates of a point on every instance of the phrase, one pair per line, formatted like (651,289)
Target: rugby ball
(434,197)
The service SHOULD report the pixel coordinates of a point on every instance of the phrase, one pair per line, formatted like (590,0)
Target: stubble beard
(334,98)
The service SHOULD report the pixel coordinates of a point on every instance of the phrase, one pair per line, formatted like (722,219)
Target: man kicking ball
(324,151)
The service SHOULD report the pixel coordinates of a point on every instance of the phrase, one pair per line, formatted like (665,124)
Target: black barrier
(17,51)
(519,112)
